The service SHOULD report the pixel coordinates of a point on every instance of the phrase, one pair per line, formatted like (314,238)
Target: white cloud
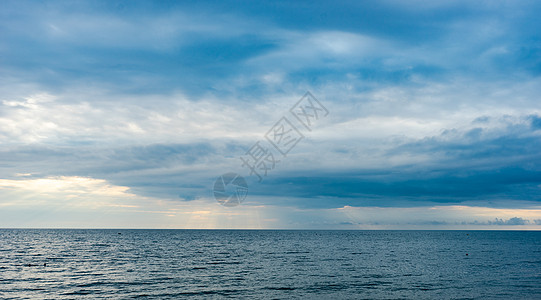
(88,202)
(71,190)
(298,50)
(436,217)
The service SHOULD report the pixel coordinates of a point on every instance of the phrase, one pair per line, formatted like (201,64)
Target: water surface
(269,264)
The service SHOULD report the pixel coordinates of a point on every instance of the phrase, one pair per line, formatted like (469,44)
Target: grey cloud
(511,221)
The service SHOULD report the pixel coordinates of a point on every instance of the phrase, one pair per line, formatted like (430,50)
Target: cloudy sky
(124,113)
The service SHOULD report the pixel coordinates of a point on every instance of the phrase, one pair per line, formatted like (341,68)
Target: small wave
(223,262)
(280,288)
(80,292)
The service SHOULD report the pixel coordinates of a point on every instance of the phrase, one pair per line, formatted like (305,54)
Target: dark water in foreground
(204,264)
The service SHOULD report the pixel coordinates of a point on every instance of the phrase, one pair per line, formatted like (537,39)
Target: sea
(269,264)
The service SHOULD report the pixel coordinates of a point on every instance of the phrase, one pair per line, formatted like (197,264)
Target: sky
(124,114)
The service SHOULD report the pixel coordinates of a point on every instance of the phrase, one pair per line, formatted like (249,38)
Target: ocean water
(269,264)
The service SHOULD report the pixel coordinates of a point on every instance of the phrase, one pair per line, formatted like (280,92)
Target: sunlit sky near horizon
(123,113)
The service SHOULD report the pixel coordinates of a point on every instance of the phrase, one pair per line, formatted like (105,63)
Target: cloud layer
(430,109)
